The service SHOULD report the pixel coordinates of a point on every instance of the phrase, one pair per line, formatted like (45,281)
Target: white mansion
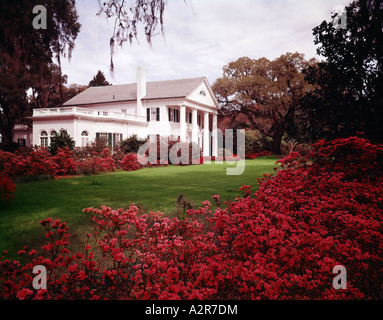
(183,108)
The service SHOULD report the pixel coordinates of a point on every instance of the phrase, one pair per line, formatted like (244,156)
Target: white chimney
(141,89)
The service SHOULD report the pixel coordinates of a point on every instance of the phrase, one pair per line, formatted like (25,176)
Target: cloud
(201,36)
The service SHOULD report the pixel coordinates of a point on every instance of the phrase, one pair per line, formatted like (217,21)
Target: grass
(152,188)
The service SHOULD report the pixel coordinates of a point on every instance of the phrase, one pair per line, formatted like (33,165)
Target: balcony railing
(65,111)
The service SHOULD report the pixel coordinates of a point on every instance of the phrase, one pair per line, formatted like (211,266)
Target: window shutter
(114,139)
(110,139)
(97,135)
(170,114)
(147,114)
(158,114)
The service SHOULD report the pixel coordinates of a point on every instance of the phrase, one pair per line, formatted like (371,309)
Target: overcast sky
(201,37)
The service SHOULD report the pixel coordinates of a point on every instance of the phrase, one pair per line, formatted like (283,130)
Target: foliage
(96,163)
(267,92)
(7,188)
(98,80)
(281,244)
(60,141)
(128,18)
(130,162)
(132,144)
(46,93)
(37,162)
(66,165)
(164,151)
(349,84)
(27,53)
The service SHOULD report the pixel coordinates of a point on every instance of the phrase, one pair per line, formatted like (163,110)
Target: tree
(98,80)
(129,15)
(26,53)
(73,90)
(267,92)
(45,90)
(61,141)
(349,94)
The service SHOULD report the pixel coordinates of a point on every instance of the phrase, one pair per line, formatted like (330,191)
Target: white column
(215,136)
(206,135)
(141,89)
(182,123)
(194,126)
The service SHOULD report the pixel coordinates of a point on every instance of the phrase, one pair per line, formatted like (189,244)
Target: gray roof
(128,92)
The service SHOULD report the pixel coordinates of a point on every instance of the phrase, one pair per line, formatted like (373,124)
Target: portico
(203,128)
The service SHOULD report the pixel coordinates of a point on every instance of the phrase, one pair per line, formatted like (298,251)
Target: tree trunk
(276,147)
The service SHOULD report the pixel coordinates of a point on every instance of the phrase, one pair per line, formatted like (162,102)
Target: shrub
(96,163)
(39,162)
(131,144)
(107,160)
(7,188)
(11,165)
(34,163)
(130,162)
(60,141)
(66,165)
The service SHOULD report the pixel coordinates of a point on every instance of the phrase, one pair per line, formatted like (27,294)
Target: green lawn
(151,188)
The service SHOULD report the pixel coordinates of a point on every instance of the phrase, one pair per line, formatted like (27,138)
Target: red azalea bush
(7,188)
(130,162)
(36,162)
(96,163)
(39,162)
(281,244)
(66,165)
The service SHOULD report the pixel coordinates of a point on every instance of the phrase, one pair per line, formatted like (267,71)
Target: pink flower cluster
(130,162)
(281,242)
(257,155)
(96,162)
(7,188)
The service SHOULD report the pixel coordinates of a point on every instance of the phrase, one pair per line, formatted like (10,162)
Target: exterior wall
(52,125)
(24,133)
(75,127)
(205,100)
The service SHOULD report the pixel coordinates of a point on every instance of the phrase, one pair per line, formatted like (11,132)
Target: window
(171,114)
(21,142)
(190,117)
(174,115)
(202,93)
(53,134)
(84,138)
(199,120)
(104,135)
(112,138)
(152,114)
(117,138)
(44,139)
